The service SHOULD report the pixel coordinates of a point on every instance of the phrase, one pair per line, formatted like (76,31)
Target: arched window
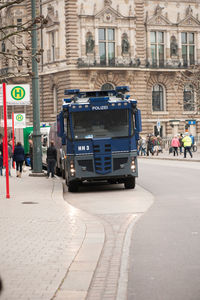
(188,98)
(157,98)
(107,87)
(55,99)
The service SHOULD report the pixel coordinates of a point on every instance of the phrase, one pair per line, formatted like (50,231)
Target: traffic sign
(20,120)
(16,94)
(158,125)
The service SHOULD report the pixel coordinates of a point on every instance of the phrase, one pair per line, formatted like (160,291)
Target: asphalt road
(165,248)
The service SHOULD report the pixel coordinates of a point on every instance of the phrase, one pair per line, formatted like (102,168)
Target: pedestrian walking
(1,158)
(31,152)
(18,157)
(139,148)
(155,145)
(192,138)
(181,143)
(149,145)
(187,143)
(51,159)
(175,144)
(159,141)
(143,146)
(10,155)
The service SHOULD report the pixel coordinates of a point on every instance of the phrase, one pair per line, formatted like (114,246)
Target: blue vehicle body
(99,131)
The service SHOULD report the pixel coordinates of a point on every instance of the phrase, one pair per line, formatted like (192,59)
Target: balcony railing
(116,62)
(134,63)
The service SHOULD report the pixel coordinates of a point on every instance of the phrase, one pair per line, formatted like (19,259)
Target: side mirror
(138,123)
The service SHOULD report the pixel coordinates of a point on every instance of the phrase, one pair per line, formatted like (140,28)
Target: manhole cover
(29,202)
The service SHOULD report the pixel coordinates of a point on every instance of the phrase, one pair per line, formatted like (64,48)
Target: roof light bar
(72,92)
(122,89)
(68,100)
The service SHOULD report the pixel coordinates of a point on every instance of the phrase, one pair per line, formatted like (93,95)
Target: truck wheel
(129,183)
(73,187)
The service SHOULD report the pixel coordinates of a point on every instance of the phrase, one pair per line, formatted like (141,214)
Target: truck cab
(100,130)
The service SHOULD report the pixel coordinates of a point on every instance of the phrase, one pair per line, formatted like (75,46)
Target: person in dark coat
(1,158)
(18,157)
(31,152)
(10,155)
(51,159)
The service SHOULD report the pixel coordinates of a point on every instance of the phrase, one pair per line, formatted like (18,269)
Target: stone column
(179,47)
(118,42)
(96,43)
(198,47)
(148,46)
(83,37)
(175,127)
(132,41)
(167,46)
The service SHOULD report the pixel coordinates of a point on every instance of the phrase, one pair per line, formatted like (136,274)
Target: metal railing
(136,63)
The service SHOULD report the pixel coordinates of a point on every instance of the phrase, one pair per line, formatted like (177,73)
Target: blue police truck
(99,132)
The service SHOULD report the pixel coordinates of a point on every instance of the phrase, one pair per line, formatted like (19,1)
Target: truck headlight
(72,169)
(133,166)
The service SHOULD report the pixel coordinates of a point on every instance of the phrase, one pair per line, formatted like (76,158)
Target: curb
(76,283)
(168,158)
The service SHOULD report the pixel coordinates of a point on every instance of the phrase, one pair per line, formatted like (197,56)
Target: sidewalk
(45,242)
(166,156)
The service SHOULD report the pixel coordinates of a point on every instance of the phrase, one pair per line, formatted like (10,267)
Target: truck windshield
(100,124)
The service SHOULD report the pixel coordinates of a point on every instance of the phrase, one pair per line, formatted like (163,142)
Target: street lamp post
(37,149)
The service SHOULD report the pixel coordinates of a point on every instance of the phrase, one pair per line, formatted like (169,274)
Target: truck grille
(87,163)
(102,148)
(103,164)
(119,161)
(102,156)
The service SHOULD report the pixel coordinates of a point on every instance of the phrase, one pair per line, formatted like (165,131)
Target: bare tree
(15,38)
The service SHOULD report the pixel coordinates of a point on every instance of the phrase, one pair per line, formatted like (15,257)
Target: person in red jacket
(175,144)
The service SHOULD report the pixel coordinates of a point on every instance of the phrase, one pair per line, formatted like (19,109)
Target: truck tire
(73,187)
(129,183)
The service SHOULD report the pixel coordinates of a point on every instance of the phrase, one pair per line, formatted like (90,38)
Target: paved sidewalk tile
(40,237)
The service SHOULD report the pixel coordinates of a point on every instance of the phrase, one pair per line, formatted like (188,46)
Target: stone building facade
(145,44)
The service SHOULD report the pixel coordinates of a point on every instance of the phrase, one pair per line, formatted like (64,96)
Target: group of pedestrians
(179,142)
(150,144)
(153,145)
(17,156)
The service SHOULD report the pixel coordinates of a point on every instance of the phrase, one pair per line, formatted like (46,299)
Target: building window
(188,98)
(157,98)
(20,58)
(107,87)
(157,48)
(19,24)
(188,48)
(55,100)
(107,46)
